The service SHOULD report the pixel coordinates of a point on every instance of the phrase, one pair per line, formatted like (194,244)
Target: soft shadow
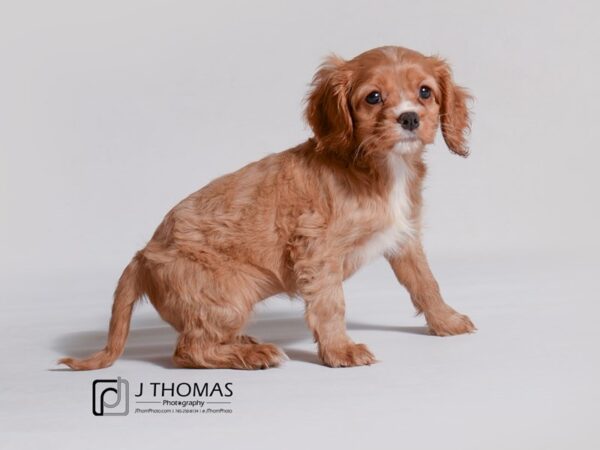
(303,356)
(420,330)
(152,340)
(281,331)
(152,344)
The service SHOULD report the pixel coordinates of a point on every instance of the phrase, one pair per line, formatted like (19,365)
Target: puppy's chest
(397,225)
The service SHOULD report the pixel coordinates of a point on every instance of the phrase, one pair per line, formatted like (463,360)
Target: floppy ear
(327,106)
(454,113)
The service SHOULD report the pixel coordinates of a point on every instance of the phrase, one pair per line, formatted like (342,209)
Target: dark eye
(373,98)
(425,92)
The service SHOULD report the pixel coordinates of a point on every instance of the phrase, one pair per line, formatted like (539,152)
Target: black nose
(409,120)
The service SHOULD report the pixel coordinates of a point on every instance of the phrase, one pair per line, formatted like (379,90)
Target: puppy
(301,221)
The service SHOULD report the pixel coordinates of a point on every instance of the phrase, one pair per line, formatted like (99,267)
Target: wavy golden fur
(303,220)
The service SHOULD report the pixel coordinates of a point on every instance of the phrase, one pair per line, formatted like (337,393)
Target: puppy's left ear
(327,106)
(454,112)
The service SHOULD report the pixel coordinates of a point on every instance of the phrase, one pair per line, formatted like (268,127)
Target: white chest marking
(401,228)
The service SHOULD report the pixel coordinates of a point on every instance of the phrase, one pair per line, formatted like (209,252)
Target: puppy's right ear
(327,106)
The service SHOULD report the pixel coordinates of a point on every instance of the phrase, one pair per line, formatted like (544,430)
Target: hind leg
(210,308)
(195,352)
(216,343)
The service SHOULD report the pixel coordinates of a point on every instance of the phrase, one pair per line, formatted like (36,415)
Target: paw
(449,323)
(347,355)
(261,356)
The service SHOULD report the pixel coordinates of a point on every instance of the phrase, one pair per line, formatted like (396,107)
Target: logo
(110,397)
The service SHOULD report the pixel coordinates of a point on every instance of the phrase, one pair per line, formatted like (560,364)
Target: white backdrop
(113,111)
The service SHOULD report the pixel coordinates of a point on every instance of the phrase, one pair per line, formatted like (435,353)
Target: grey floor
(527,379)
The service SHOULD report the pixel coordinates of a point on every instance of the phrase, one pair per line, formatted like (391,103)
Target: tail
(127,292)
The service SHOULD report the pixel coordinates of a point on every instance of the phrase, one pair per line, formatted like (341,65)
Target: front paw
(346,355)
(449,323)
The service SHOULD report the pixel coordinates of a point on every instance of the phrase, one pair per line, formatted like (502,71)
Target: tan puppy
(303,220)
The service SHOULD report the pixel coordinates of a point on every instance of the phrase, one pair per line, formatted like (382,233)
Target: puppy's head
(389,99)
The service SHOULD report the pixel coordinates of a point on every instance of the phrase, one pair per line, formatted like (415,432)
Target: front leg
(320,284)
(412,270)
